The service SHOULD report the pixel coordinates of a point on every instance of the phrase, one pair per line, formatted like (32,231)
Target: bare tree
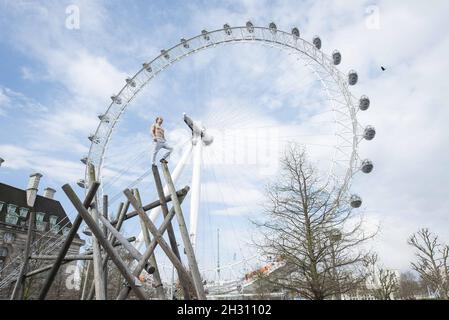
(310,227)
(432,261)
(383,282)
(410,287)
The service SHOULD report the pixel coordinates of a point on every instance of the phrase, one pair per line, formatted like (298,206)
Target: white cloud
(56,171)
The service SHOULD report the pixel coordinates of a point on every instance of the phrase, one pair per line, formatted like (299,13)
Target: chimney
(33,185)
(49,193)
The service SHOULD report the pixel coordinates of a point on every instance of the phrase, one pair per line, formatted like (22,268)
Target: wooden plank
(185,235)
(171,234)
(96,231)
(146,236)
(148,252)
(67,243)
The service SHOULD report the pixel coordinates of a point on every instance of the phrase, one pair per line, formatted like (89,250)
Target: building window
(11,215)
(8,237)
(40,224)
(23,212)
(54,227)
(3,252)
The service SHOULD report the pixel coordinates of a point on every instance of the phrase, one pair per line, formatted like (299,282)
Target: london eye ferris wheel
(226,147)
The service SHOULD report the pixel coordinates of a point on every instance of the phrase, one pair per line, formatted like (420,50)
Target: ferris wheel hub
(198,131)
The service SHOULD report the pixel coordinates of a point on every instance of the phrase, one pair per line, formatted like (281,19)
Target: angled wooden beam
(66,258)
(171,234)
(185,235)
(96,231)
(105,231)
(48,267)
(146,236)
(121,213)
(148,252)
(153,204)
(155,232)
(67,243)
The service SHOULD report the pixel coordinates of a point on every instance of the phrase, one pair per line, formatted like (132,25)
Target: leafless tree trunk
(432,261)
(310,227)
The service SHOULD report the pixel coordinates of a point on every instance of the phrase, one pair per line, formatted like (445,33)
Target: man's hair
(157,118)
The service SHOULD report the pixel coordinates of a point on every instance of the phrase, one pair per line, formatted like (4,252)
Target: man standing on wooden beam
(158,135)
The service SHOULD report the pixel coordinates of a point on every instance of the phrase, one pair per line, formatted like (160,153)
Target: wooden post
(146,236)
(86,278)
(120,216)
(148,252)
(171,234)
(105,231)
(158,237)
(96,231)
(185,235)
(18,292)
(67,243)
(100,293)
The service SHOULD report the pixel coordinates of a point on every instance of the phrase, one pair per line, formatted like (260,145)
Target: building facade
(51,226)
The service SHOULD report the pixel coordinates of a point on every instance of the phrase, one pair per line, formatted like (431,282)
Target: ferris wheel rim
(309,50)
(326,62)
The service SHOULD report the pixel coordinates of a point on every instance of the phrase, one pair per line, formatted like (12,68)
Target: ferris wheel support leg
(196,190)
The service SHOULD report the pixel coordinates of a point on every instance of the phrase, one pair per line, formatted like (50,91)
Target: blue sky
(54,81)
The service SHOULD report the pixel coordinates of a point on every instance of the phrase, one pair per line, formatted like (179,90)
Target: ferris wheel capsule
(336,57)
(84,160)
(205,35)
(94,139)
(367,166)
(227,29)
(87,231)
(352,77)
(295,33)
(165,54)
(147,67)
(317,42)
(369,133)
(130,82)
(103,118)
(116,99)
(355,201)
(250,27)
(81,183)
(364,103)
(184,43)
(273,28)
